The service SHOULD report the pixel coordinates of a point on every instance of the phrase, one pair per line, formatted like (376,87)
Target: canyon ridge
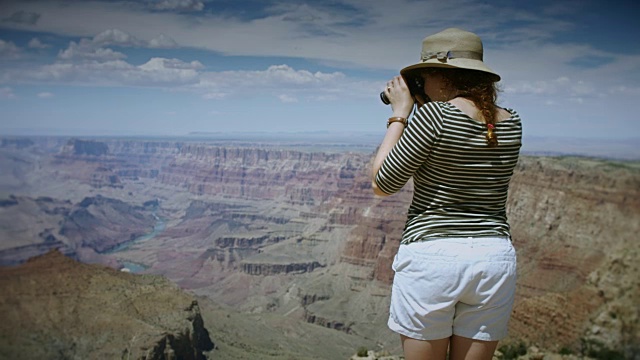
(286,251)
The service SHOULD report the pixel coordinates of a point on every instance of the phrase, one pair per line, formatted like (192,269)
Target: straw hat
(451,48)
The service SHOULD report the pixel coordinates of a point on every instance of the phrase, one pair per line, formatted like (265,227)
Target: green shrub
(510,352)
(363,352)
(566,351)
(599,351)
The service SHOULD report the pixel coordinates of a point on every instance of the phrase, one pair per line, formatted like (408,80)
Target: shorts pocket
(402,259)
(506,252)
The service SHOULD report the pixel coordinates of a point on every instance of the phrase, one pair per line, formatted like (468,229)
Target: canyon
(288,235)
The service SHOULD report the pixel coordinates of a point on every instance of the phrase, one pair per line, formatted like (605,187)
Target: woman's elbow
(377,190)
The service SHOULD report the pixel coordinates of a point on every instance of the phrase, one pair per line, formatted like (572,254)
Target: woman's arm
(394,131)
(401,104)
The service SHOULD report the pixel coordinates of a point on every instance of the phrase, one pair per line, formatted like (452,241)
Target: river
(133,267)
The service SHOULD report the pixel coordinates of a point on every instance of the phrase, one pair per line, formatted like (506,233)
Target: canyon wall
(575,224)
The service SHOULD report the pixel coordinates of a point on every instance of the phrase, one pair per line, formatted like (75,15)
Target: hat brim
(468,64)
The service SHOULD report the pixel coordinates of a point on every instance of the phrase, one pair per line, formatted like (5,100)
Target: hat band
(444,55)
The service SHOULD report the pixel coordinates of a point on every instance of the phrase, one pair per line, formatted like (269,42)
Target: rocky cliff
(84,311)
(575,224)
(291,176)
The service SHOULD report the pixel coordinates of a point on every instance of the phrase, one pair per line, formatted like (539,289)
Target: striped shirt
(460,183)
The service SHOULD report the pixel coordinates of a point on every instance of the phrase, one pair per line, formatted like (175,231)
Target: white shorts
(461,286)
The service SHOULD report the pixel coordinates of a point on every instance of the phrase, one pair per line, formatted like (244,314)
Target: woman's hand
(399,97)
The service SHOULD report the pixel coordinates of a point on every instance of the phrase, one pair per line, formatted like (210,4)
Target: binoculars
(416,88)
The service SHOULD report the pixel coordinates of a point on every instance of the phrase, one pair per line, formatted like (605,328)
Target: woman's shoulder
(431,109)
(505,114)
(462,106)
(510,114)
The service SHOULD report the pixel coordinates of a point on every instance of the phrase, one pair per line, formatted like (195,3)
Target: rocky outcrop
(247,242)
(54,307)
(86,147)
(271,268)
(328,323)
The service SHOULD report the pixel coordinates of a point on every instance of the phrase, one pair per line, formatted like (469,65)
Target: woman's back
(460,183)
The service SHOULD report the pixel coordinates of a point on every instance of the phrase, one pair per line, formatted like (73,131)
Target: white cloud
(90,72)
(87,50)
(581,88)
(157,72)
(554,88)
(382,35)
(22,17)
(286,74)
(287,98)
(7,93)
(9,50)
(116,37)
(162,41)
(625,90)
(35,43)
(357,34)
(155,64)
(45,95)
(121,38)
(179,5)
(534,87)
(214,96)
(370,34)
(282,79)
(95,48)
(166,72)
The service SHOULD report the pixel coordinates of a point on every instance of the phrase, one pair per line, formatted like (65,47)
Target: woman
(455,269)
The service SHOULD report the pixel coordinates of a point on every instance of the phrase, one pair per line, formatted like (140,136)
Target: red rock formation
(295,177)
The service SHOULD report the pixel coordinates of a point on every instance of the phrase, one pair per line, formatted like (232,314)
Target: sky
(176,67)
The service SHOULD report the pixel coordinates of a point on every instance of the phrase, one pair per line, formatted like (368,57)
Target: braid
(481,89)
(489,112)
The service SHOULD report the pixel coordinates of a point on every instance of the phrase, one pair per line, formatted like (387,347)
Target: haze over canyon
(279,249)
